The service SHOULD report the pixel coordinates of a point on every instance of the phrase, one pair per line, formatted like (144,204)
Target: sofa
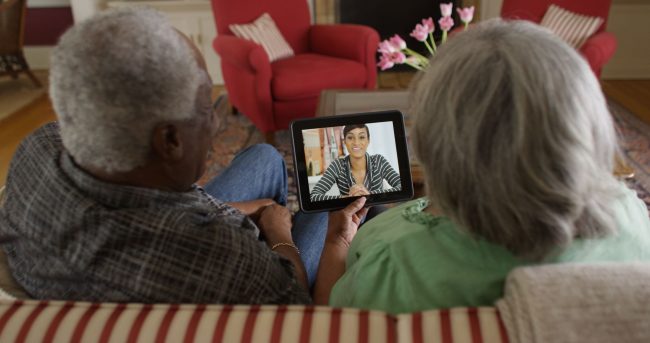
(603,302)
(607,302)
(26,320)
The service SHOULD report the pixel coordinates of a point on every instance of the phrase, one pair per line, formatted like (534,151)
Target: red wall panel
(44,26)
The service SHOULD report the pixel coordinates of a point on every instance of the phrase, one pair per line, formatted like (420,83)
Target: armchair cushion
(598,49)
(305,75)
(573,28)
(242,54)
(263,31)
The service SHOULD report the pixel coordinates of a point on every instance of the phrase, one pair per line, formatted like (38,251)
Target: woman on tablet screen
(358,173)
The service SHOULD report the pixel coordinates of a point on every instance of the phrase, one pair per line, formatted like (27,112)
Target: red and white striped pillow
(573,28)
(263,31)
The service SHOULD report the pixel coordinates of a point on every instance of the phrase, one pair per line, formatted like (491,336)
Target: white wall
(382,142)
(84,9)
(630,22)
(490,9)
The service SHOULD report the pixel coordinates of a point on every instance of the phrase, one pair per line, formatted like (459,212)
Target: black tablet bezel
(299,159)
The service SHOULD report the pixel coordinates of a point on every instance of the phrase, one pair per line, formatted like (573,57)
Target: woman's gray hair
(516,140)
(115,76)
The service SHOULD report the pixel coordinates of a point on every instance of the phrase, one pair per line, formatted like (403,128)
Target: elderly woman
(358,173)
(102,205)
(518,151)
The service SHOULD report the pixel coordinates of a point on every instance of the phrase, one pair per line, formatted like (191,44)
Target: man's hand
(275,223)
(342,225)
(252,208)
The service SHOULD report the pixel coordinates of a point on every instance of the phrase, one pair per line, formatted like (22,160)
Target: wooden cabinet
(192,17)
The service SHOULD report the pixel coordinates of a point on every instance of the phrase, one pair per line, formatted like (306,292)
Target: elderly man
(102,205)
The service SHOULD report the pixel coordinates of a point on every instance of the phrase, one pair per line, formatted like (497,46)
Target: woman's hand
(275,224)
(341,228)
(342,225)
(358,190)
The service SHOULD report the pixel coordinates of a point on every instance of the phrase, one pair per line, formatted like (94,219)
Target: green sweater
(407,260)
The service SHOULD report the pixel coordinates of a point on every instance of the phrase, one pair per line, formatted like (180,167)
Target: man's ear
(167,142)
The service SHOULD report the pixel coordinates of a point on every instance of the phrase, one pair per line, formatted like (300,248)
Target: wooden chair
(12,24)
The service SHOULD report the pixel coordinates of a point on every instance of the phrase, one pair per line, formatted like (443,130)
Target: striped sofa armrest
(70,322)
(457,325)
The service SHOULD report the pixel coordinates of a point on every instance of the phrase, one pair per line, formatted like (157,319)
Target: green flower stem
(444,36)
(428,47)
(433,43)
(466,24)
(416,55)
(414,65)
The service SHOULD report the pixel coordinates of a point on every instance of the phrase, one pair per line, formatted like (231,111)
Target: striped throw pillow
(263,31)
(573,28)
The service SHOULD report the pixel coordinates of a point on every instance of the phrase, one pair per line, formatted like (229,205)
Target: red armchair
(274,94)
(598,49)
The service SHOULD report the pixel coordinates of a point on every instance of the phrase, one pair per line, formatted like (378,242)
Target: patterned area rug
(238,133)
(634,137)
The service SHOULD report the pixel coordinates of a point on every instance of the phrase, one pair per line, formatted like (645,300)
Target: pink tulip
(466,14)
(395,43)
(397,57)
(446,23)
(445,9)
(385,47)
(398,42)
(385,62)
(420,32)
(428,23)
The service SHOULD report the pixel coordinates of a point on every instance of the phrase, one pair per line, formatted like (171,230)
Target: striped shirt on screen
(339,171)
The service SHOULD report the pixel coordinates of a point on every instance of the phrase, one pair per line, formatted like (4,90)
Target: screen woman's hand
(358,190)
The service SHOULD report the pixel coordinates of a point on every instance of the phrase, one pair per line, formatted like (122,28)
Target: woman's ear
(167,143)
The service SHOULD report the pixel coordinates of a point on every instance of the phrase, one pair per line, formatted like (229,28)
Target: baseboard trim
(621,72)
(38,57)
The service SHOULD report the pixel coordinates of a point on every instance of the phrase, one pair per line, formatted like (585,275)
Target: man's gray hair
(115,76)
(516,140)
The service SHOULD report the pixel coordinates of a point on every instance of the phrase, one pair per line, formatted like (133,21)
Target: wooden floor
(14,128)
(633,94)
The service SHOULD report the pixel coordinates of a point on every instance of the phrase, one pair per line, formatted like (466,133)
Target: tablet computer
(340,158)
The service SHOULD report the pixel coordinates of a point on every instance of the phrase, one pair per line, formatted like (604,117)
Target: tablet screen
(340,158)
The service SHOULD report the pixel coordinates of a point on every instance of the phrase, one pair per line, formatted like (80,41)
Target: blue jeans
(259,172)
